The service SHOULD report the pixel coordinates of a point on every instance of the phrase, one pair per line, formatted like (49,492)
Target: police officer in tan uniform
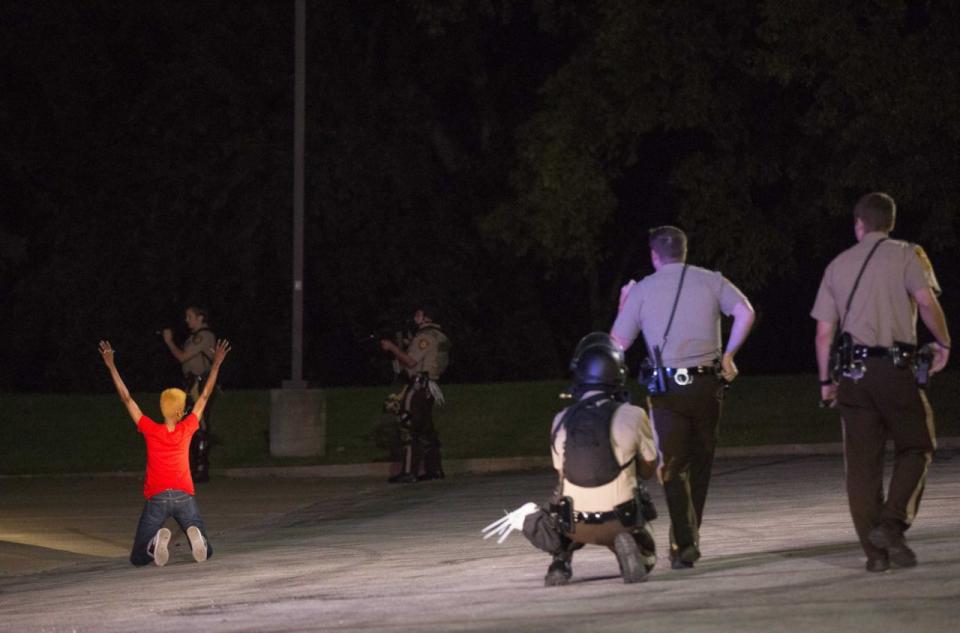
(877,393)
(678,309)
(195,358)
(424,361)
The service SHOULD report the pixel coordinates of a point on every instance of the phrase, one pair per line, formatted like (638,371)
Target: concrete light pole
(297,414)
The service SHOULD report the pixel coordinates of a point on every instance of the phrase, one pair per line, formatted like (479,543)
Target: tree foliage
(500,158)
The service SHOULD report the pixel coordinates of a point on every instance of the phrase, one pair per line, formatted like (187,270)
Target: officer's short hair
(203,312)
(877,211)
(429,310)
(669,243)
(172,402)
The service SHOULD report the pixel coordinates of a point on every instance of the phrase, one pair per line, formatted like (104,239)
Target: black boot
(632,566)
(403,478)
(558,573)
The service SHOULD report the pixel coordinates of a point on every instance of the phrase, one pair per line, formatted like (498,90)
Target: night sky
(499,160)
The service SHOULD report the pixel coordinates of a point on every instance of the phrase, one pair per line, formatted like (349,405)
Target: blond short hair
(172,403)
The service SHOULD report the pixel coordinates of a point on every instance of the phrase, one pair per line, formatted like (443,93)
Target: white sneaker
(158,547)
(198,545)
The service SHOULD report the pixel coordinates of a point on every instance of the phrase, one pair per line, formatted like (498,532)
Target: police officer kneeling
(599,445)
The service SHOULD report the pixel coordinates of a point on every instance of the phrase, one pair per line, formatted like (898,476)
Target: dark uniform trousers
(420,439)
(884,403)
(687,419)
(200,442)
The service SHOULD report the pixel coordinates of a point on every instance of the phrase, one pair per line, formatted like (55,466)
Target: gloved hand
(512,521)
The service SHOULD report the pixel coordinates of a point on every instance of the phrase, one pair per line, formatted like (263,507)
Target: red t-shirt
(168,455)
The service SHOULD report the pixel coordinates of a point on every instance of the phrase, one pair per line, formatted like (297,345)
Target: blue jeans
(158,508)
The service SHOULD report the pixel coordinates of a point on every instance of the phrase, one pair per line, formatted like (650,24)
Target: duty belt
(684,375)
(624,512)
(594,517)
(900,352)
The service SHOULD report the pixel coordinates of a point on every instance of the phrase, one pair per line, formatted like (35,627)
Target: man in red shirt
(168,486)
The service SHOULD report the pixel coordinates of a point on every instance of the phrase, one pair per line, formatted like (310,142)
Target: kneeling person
(599,445)
(168,486)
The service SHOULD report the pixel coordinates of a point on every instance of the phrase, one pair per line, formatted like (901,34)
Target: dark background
(502,160)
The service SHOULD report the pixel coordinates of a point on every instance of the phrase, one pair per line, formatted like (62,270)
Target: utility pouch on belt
(564,511)
(627,513)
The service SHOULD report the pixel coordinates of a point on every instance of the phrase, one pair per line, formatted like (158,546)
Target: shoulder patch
(197,338)
(424,343)
(922,256)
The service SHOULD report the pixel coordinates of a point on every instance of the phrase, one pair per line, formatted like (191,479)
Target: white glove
(512,521)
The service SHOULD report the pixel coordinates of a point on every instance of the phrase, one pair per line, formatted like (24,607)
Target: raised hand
(106,352)
(220,351)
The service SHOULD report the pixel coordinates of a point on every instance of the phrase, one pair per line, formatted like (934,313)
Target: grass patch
(63,433)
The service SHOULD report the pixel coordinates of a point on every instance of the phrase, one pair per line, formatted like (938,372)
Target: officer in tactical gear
(423,361)
(599,445)
(195,358)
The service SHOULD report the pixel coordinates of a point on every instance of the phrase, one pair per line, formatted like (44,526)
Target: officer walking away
(195,362)
(874,290)
(423,361)
(599,445)
(678,310)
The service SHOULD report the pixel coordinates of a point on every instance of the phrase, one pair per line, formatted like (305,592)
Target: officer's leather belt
(625,513)
(900,351)
(595,517)
(698,371)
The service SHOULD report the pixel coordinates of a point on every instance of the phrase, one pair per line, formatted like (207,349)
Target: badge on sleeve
(424,343)
(924,260)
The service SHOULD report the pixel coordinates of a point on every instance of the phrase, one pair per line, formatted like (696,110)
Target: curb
(484,465)
(508,464)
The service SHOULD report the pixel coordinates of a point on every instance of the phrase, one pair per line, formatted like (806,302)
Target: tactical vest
(588,457)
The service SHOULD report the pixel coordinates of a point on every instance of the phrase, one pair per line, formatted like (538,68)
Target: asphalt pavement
(357,554)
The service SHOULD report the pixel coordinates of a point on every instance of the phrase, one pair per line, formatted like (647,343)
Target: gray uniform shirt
(883,309)
(694,337)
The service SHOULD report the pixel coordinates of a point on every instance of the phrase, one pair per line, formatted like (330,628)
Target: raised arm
(219,353)
(106,352)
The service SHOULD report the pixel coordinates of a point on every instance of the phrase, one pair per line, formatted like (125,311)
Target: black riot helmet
(598,364)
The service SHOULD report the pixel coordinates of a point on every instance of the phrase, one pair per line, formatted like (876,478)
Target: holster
(841,355)
(923,359)
(543,531)
(644,502)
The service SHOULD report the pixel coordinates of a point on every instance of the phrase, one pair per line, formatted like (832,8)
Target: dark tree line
(502,160)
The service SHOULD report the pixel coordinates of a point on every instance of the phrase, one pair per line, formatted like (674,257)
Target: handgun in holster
(652,375)
(923,360)
(564,512)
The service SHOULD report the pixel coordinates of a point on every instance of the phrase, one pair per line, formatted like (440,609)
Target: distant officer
(195,358)
(877,393)
(424,361)
(678,310)
(599,445)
